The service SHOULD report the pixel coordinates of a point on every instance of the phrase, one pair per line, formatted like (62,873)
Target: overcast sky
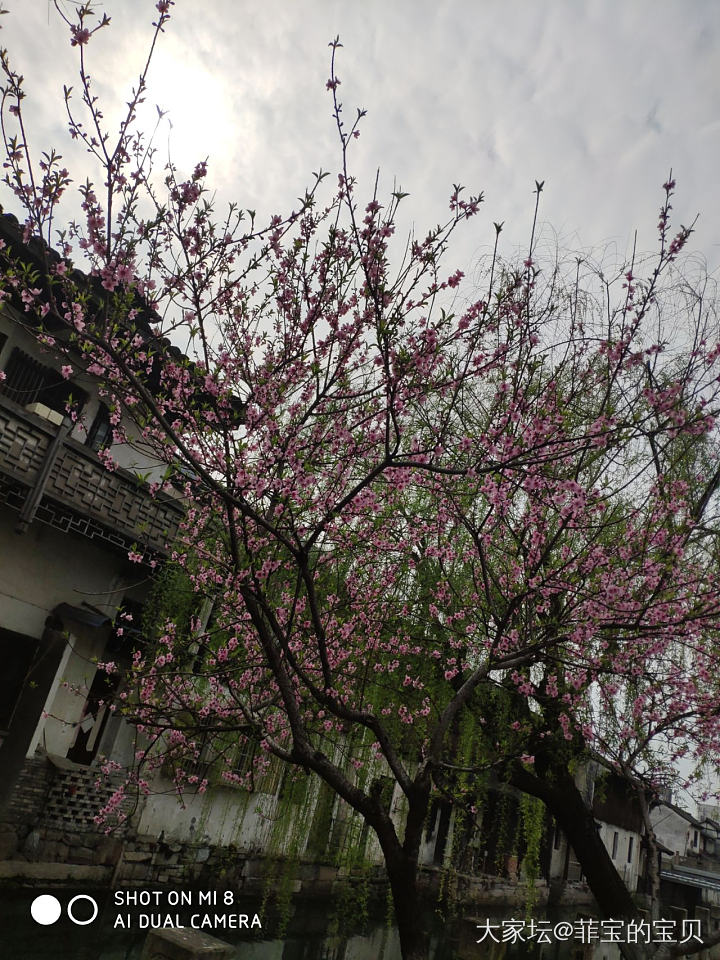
(598,98)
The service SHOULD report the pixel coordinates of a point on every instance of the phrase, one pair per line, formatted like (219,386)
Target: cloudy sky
(598,98)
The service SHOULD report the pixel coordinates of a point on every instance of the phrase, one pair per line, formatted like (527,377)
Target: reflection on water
(307,937)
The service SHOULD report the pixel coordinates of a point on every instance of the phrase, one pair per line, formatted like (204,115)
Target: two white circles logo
(46,909)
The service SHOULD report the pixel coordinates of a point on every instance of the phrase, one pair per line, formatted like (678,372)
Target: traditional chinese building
(66,526)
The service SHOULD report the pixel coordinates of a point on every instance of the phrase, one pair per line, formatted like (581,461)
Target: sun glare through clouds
(196,105)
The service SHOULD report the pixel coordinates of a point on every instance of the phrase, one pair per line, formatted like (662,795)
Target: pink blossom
(80,35)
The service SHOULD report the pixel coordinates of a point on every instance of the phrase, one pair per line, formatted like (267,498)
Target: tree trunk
(401,864)
(562,797)
(409,914)
(652,869)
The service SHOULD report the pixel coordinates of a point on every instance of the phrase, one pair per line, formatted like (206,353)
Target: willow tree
(398,499)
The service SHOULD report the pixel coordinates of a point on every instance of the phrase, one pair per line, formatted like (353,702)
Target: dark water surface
(307,936)
(316,931)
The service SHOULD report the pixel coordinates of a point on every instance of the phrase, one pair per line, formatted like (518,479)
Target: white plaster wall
(43,567)
(40,569)
(253,822)
(427,848)
(672,830)
(709,810)
(56,732)
(628,870)
(118,742)
(222,815)
(558,853)
(427,844)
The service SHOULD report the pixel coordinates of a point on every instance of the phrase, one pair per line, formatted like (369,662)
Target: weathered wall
(43,567)
(674,831)
(617,841)
(30,794)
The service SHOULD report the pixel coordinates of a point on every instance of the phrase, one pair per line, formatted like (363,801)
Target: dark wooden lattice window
(29,381)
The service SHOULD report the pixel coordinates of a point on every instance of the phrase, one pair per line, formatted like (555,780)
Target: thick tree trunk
(562,797)
(401,864)
(409,914)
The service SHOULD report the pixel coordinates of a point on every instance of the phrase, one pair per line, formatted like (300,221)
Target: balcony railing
(78,494)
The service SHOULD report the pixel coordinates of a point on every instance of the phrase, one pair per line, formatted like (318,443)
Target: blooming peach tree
(402,501)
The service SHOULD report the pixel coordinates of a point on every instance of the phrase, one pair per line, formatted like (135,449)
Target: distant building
(619,824)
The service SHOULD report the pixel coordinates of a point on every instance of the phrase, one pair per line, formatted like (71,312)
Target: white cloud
(599,99)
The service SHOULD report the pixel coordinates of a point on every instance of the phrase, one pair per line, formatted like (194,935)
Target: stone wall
(50,816)
(54,837)
(75,797)
(29,794)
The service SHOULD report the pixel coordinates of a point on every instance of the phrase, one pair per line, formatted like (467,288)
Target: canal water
(314,932)
(118,933)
